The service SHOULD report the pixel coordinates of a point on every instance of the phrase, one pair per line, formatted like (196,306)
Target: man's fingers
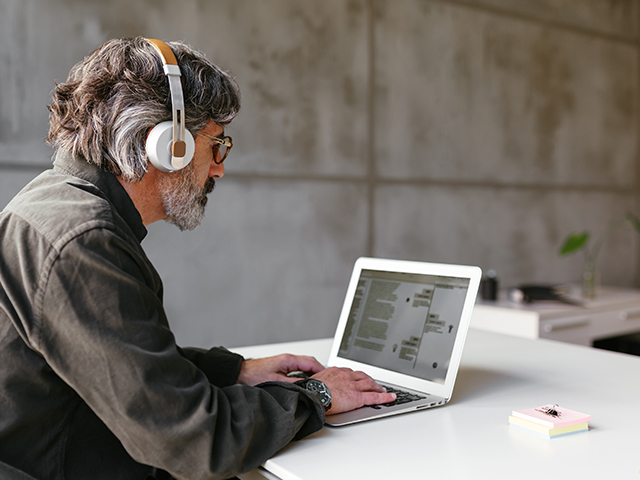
(302,363)
(370,385)
(358,375)
(308,364)
(255,371)
(366,383)
(372,398)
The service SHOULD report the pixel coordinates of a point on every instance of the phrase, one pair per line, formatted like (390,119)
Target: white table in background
(615,311)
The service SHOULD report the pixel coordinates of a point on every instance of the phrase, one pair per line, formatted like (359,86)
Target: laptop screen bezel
(445,389)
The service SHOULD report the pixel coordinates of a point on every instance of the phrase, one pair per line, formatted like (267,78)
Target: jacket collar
(107,183)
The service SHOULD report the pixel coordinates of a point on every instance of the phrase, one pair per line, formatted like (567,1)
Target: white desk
(615,311)
(470,437)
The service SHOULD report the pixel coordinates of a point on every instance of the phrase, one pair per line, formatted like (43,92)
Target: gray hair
(112,98)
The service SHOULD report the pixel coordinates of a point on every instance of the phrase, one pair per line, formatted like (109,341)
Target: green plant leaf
(573,243)
(633,220)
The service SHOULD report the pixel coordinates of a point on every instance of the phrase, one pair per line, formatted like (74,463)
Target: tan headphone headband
(172,71)
(166,53)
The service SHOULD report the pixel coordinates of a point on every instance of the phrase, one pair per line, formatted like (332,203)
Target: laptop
(404,323)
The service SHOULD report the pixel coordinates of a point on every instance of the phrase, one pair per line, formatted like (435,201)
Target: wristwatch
(316,386)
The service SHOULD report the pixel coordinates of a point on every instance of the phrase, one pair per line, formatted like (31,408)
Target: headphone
(170,146)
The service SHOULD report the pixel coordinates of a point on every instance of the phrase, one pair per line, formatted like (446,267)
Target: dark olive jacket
(92,384)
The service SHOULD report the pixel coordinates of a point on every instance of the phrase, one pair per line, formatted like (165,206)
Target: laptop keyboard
(402,396)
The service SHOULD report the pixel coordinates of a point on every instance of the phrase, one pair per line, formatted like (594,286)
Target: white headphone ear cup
(158,147)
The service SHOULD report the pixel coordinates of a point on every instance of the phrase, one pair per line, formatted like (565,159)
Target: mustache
(209,185)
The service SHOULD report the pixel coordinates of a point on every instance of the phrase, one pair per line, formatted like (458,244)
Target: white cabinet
(616,311)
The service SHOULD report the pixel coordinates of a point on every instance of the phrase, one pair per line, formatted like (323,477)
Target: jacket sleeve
(100,325)
(221,366)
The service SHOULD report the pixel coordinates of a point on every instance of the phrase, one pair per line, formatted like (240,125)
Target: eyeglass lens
(221,152)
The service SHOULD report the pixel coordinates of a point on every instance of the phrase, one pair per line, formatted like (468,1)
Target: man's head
(111,100)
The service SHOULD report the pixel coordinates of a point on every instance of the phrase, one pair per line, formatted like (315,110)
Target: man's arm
(101,327)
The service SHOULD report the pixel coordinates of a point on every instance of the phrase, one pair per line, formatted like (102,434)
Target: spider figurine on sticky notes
(551,411)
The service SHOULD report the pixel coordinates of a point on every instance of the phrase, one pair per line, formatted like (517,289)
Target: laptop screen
(405,322)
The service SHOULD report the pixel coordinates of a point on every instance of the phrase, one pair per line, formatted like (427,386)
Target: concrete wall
(461,131)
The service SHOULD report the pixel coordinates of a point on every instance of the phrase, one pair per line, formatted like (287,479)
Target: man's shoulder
(55,205)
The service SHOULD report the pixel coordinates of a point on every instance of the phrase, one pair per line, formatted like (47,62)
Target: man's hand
(351,389)
(275,369)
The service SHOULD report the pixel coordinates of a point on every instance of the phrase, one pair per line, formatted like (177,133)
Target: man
(92,384)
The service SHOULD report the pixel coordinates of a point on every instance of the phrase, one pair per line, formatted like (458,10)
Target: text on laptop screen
(405,322)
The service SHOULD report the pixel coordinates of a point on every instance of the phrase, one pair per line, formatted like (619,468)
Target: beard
(183,200)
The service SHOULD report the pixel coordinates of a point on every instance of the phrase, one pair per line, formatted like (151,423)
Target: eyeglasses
(221,146)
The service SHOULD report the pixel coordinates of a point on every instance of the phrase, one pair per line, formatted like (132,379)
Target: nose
(215,170)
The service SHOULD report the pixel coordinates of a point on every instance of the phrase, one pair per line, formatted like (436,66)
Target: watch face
(321,389)
(315,385)
(324,397)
